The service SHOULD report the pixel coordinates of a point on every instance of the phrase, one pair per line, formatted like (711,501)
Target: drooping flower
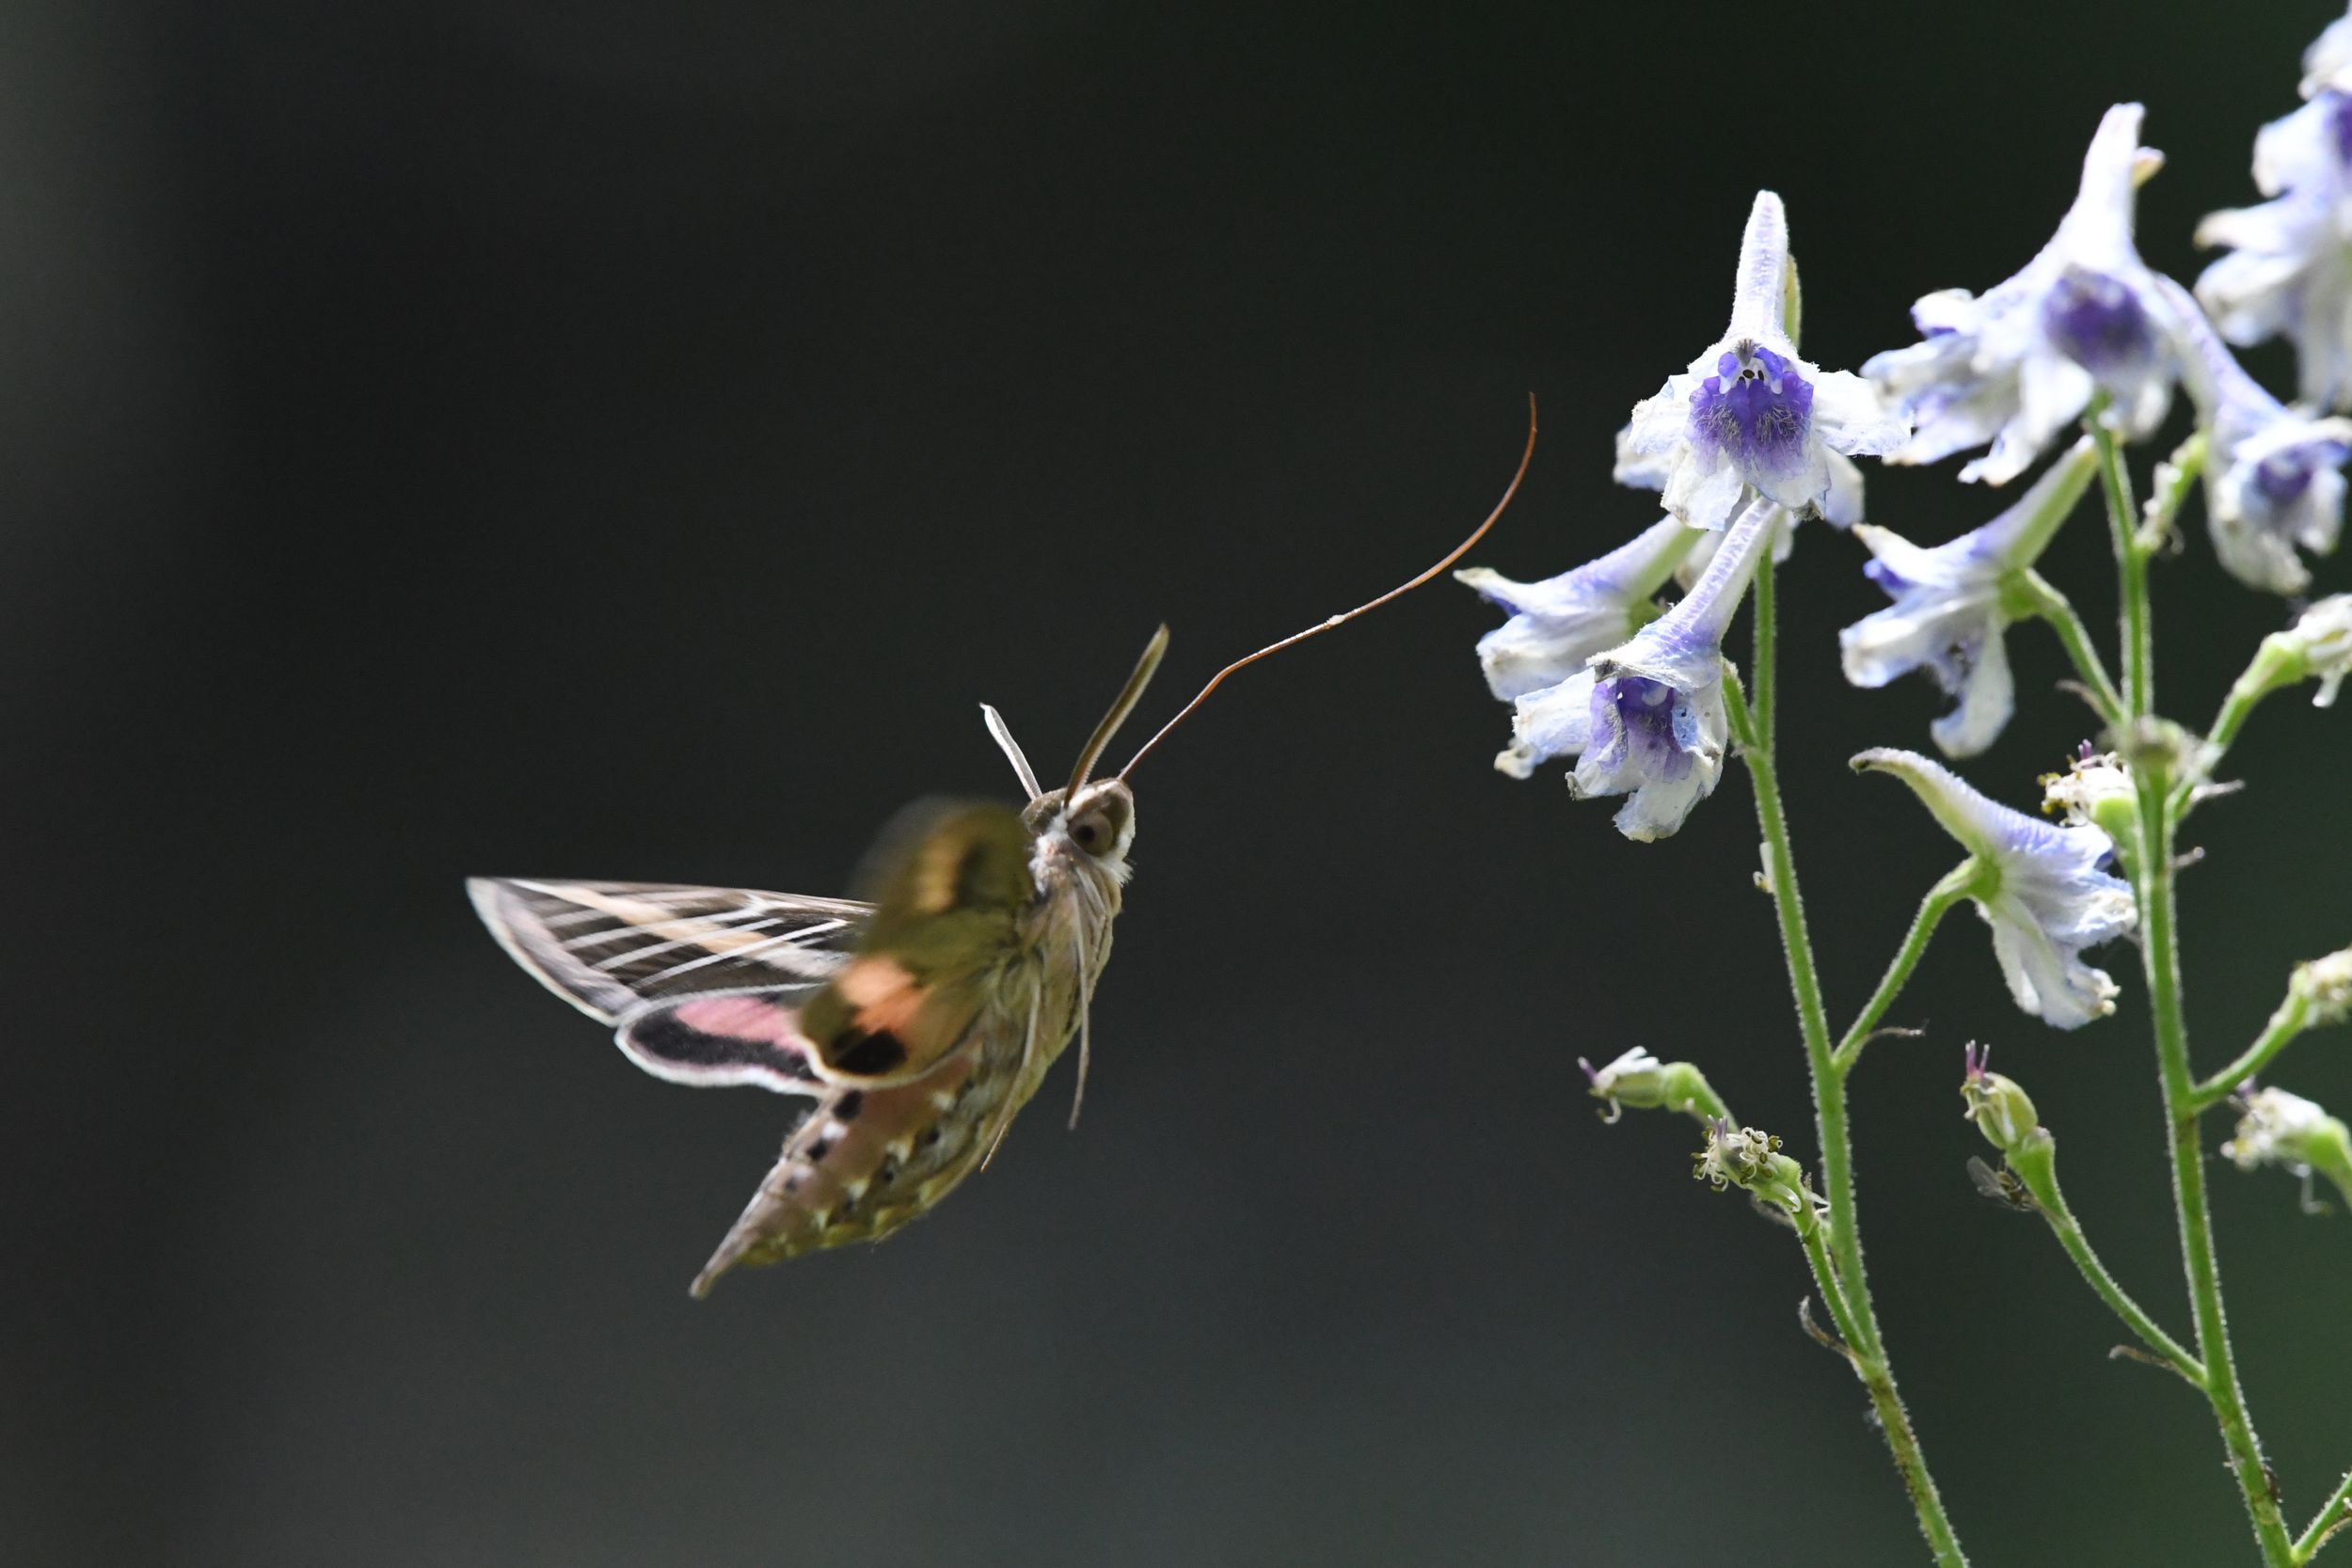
(2289,267)
(1953,602)
(1639,1081)
(1749,415)
(1647,719)
(1558,624)
(2317,647)
(2274,478)
(2042,887)
(2018,364)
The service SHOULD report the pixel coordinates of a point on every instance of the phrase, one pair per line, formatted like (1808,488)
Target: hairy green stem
(1844,1252)
(2333,1515)
(1953,889)
(2154,887)
(2153,874)
(2293,1016)
(2046,602)
(2140,693)
(2037,1166)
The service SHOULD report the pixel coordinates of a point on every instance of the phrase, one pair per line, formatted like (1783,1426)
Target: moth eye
(1093,832)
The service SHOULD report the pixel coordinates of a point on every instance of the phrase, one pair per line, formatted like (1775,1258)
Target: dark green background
(627,440)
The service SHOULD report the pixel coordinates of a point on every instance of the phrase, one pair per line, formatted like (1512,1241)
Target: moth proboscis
(909,1025)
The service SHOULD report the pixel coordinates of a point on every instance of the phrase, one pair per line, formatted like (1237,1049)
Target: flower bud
(1642,1082)
(2285,1129)
(2325,986)
(2094,790)
(1998,1106)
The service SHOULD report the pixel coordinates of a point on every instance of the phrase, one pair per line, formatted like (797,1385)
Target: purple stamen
(1645,714)
(2284,476)
(2097,320)
(1756,410)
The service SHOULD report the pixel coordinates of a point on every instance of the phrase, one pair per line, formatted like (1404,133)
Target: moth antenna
(1012,748)
(1321,626)
(1123,704)
(1085,1023)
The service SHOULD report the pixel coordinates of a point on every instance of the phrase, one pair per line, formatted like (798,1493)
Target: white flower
(2018,365)
(1647,720)
(2290,270)
(2042,887)
(1950,606)
(2274,478)
(1558,624)
(2327,63)
(1749,415)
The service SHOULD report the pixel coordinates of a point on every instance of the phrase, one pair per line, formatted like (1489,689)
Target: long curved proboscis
(1321,626)
(1129,695)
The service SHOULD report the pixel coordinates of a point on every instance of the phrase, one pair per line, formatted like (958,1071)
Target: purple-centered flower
(2289,268)
(1750,415)
(2019,364)
(2042,888)
(2274,478)
(1647,720)
(1560,623)
(1952,603)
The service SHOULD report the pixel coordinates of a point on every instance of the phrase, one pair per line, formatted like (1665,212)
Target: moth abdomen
(863,1163)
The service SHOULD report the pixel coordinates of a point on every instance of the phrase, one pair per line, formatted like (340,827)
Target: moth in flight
(909,1027)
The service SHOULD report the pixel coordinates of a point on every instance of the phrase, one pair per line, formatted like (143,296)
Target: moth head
(1097,822)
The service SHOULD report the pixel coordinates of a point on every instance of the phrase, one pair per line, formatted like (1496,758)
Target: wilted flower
(2273,478)
(2317,647)
(1750,1159)
(1952,603)
(2290,270)
(2042,887)
(2017,365)
(1558,624)
(2275,1127)
(2323,985)
(1750,415)
(2097,792)
(1642,1081)
(1647,719)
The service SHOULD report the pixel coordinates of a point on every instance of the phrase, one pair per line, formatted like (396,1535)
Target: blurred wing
(951,883)
(611,948)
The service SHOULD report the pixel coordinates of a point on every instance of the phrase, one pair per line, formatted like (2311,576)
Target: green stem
(2037,1166)
(1956,886)
(2139,695)
(2292,1018)
(1843,1255)
(2153,874)
(2333,1515)
(2154,887)
(1767,639)
(2046,602)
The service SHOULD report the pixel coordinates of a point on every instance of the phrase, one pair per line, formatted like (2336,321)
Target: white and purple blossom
(1647,719)
(2289,268)
(2020,363)
(1560,623)
(2043,889)
(1953,603)
(2273,478)
(1749,415)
